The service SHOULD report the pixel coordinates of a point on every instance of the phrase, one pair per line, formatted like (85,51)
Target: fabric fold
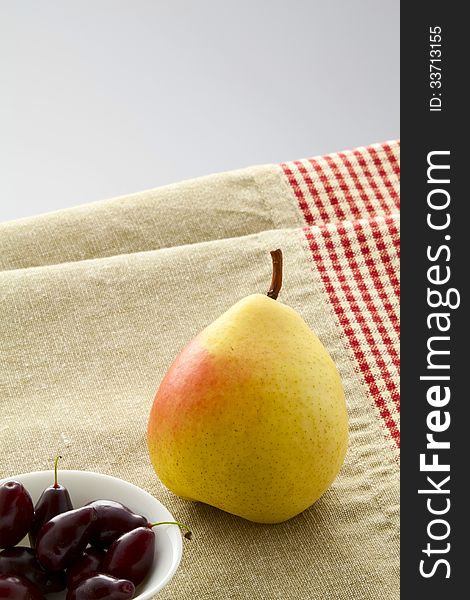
(347,185)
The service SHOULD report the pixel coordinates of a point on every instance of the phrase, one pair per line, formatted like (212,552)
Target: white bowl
(85,486)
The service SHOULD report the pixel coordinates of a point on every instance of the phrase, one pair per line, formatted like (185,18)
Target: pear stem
(276,281)
(188,534)
(56,484)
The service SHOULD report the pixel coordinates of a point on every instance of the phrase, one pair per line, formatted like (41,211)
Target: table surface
(117,288)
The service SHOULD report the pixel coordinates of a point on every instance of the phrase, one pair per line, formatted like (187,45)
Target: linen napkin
(96,301)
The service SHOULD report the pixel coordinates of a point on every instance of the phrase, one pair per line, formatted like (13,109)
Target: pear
(251,416)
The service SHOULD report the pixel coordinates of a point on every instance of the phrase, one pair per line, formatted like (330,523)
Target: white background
(100,98)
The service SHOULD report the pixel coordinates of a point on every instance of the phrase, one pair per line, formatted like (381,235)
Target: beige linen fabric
(95,302)
(213,207)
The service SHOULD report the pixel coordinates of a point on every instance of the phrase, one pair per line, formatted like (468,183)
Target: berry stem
(56,484)
(276,281)
(188,534)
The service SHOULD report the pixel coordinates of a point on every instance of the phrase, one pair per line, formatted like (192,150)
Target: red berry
(113,519)
(102,587)
(64,538)
(13,587)
(85,567)
(22,561)
(16,513)
(53,501)
(131,555)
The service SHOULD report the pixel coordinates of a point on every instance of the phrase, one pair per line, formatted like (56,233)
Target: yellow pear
(251,416)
